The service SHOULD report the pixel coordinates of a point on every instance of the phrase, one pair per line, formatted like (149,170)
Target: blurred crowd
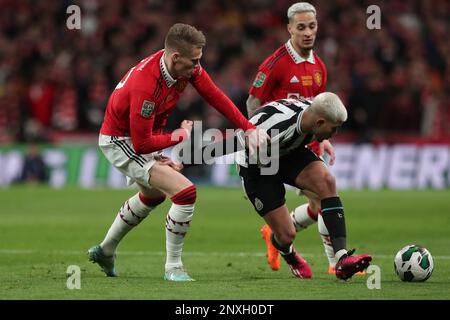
(395,81)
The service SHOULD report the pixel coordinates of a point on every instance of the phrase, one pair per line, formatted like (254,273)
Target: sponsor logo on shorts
(258,204)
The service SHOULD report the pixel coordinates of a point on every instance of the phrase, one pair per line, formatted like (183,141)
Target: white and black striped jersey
(281,119)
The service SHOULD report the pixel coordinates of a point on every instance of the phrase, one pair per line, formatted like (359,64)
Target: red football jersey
(142,101)
(285,74)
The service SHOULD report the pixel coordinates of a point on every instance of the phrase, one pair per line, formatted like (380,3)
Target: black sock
(333,217)
(284,249)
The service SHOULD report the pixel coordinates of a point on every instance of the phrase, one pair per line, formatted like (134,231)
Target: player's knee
(185,196)
(151,200)
(314,204)
(150,193)
(330,182)
(326,185)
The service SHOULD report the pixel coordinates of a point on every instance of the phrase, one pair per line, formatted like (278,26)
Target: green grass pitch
(43,231)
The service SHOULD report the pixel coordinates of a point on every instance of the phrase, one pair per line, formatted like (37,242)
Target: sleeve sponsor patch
(259,80)
(147,109)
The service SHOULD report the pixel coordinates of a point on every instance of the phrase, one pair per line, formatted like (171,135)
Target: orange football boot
(273,256)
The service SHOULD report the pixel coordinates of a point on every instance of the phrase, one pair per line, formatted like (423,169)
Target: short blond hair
(183,38)
(329,106)
(300,7)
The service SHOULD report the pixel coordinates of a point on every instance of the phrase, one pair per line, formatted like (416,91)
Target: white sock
(132,212)
(177,224)
(323,231)
(301,218)
(340,253)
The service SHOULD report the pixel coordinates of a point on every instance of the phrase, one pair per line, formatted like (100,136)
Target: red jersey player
(132,137)
(295,71)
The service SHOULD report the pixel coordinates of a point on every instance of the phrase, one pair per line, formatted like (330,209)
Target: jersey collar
(296,57)
(165,73)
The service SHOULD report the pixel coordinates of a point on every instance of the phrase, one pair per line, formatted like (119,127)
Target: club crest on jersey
(259,80)
(147,109)
(318,78)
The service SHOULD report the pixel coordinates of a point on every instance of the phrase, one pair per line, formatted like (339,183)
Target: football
(413,263)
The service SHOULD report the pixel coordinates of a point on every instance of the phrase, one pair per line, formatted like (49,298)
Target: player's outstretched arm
(219,101)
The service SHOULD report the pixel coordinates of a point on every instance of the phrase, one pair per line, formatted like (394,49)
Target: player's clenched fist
(256,139)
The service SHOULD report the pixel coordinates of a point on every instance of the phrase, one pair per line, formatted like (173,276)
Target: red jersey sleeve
(216,98)
(142,117)
(264,83)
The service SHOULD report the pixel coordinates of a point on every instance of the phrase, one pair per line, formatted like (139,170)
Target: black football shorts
(267,192)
